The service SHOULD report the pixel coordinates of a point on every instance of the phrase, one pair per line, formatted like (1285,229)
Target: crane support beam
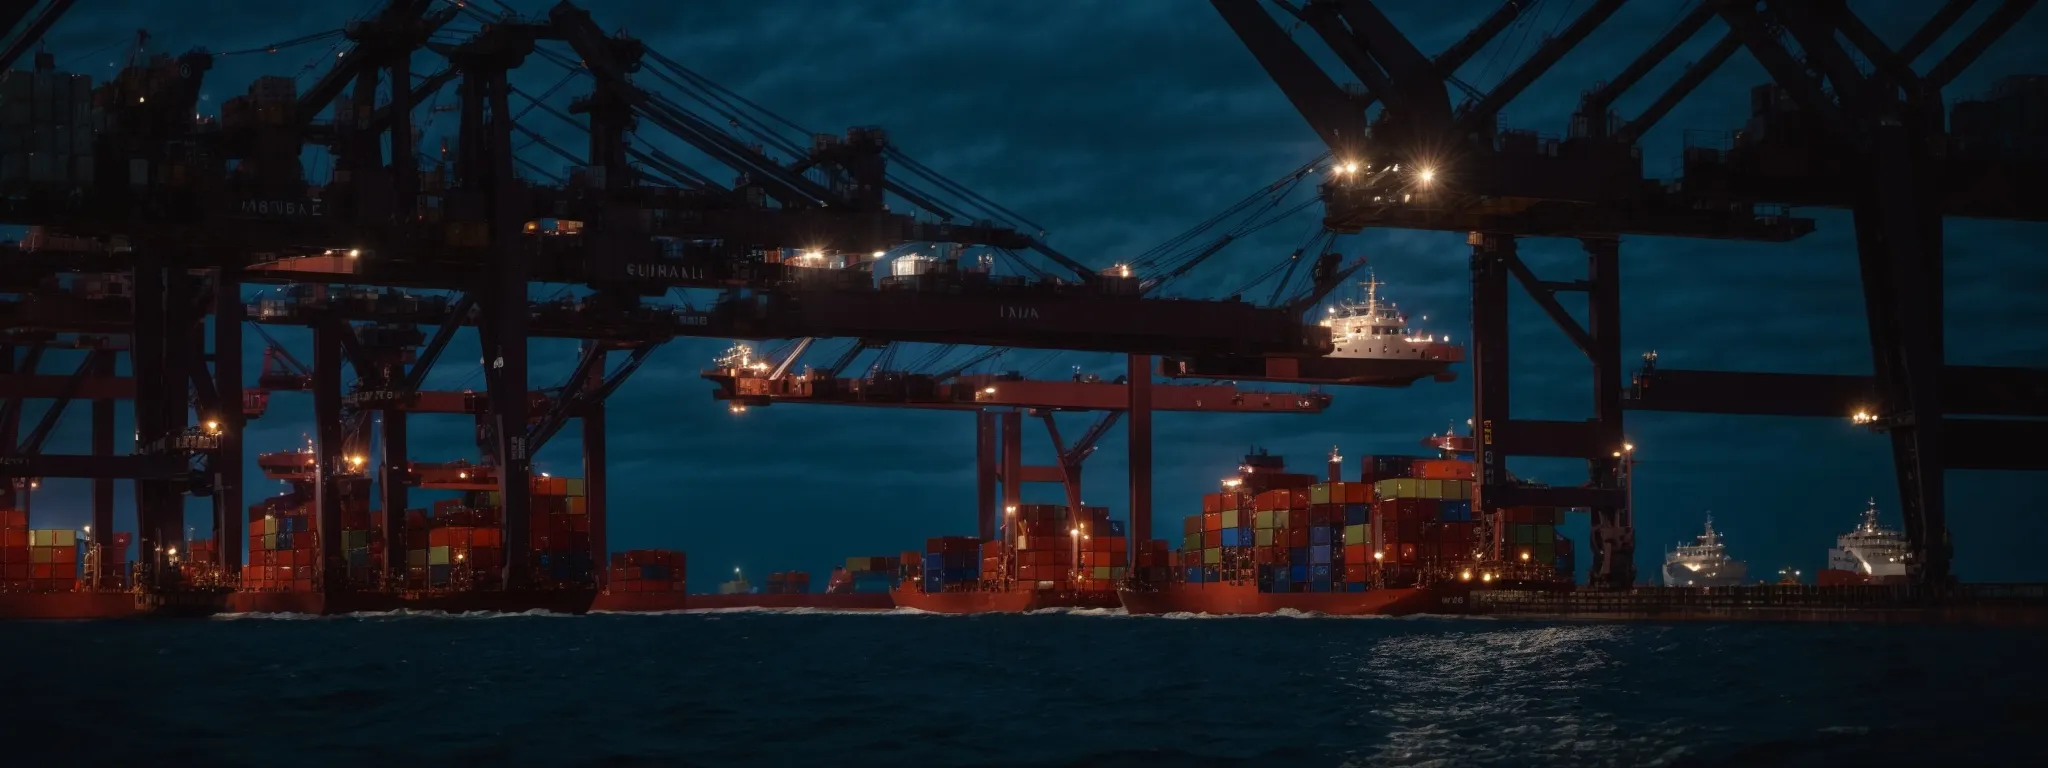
(558,413)
(33,32)
(1329,110)
(1539,63)
(1995,444)
(1602,98)
(1969,390)
(1686,83)
(1546,298)
(1781,65)
(1995,26)
(1898,70)
(137,467)
(1950,13)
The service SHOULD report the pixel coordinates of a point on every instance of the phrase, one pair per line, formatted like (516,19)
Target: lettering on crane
(696,320)
(518,447)
(658,271)
(1017,313)
(280,208)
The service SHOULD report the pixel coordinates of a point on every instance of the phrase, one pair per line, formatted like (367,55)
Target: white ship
(1869,553)
(1375,329)
(1703,563)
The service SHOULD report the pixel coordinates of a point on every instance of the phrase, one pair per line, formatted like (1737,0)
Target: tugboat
(1372,345)
(1869,554)
(1703,563)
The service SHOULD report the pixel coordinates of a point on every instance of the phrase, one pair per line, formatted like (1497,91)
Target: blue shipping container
(1354,586)
(1194,574)
(1319,555)
(934,562)
(1319,586)
(1211,574)
(1357,514)
(1297,556)
(1319,535)
(437,575)
(1230,537)
(934,584)
(1319,573)
(1455,511)
(1298,572)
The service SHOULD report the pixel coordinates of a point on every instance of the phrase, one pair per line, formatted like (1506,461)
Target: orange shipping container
(1445,469)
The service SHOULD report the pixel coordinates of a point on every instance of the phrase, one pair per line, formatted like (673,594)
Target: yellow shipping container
(1357,534)
(1212,556)
(1320,493)
(1263,519)
(1230,518)
(1263,537)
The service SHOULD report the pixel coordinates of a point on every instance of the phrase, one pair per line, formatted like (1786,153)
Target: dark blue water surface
(919,690)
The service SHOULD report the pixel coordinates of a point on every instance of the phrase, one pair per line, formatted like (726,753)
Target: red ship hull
(1245,599)
(991,601)
(864,601)
(568,601)
(110,605)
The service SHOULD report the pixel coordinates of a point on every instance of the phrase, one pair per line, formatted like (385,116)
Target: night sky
(1117,125)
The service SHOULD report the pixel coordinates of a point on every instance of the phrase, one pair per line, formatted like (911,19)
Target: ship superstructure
(1703,563)
(1870,553)
(1372,328)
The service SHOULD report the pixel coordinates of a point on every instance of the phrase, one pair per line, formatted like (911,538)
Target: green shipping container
(1263,538)
(1398,488)
(1212,556)
(1545,553)
(1279,518)
(1319,493)
(355,539)
(1102,572)
(1230,518)
(491,499)
(438,556)
(416,558)
(1191,542)
(1545,534)
(1457,489)
(1355,534)
(270,541)
(575,486)
(1524,534)
(1264,519)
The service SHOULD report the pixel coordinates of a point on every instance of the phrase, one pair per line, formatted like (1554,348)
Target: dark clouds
(1117,125)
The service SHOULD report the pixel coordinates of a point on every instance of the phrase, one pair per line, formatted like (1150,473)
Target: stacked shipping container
(561,533)
(951,563)
(648,570)
(36,561)
(112,561)
(1103,549)
(284,549)
(46,129)
(864,575)
(788,583)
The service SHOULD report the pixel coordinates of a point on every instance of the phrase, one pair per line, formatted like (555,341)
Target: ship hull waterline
(110,605)
(561,601)
(1001,601)
(1247,600)
(658,602)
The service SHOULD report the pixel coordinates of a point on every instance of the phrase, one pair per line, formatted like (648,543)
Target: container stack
(865,575)
(113,561)
(46,134)
(284,550)
(647,570)
(362,543)
(456,547)
(952,563)
(1528,535)
(788,583)
(560,533)
(1104,550)
(36,561)
(1423,525)
(1044,542)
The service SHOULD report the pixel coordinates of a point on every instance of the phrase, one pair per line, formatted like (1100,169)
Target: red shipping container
(1357,572)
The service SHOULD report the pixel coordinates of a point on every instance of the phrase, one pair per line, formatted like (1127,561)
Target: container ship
(1703,563)
(1869,554)
(1373,344)
(453,553)
(59,573)
(862,584)
(1401,540)
(1044,558)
